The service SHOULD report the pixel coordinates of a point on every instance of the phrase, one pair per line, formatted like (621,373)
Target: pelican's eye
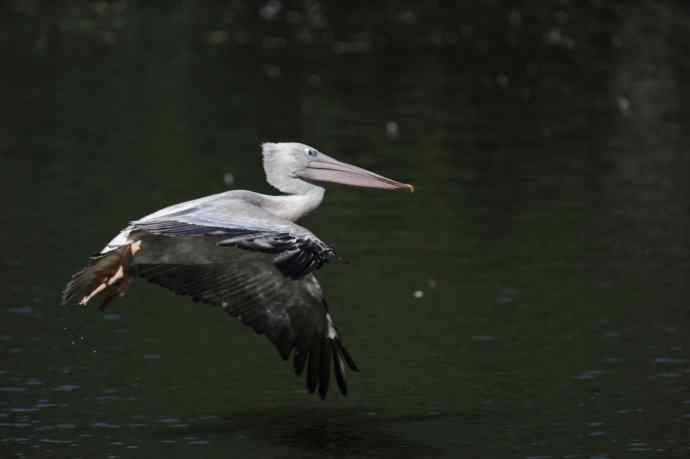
(310,152)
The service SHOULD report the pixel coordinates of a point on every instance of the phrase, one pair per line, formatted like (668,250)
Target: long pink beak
(327,169)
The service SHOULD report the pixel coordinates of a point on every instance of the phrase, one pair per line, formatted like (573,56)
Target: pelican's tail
(106,276)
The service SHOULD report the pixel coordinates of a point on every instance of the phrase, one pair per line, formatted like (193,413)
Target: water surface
(529,300)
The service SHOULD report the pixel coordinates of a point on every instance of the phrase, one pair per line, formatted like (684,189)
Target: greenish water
(529,300)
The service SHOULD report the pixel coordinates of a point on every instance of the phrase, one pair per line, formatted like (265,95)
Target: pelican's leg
(95,292)
(119,280)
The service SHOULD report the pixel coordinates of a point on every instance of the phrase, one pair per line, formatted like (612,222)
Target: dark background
(529,300)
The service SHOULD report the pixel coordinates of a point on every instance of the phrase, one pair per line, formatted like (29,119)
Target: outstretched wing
(249,285)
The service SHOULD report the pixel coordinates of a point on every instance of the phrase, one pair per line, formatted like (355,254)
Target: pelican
(244,252)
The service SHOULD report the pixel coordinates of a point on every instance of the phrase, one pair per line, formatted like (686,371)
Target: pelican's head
(291,166)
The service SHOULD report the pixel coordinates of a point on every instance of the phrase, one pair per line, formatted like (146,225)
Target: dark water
(529,300)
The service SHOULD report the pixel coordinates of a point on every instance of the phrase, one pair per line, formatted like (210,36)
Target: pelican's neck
(302,197)
(294,206)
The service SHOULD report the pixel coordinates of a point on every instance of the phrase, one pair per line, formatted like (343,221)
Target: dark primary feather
(296,255)
(325,376)
(247,284)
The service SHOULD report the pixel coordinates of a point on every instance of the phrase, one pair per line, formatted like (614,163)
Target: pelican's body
(242,251)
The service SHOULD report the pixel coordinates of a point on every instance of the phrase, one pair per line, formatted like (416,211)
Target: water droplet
(271,9)
(228,179)
(502,80)
(392,130)
(273,71)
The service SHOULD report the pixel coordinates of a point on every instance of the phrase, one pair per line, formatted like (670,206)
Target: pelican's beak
(327,169)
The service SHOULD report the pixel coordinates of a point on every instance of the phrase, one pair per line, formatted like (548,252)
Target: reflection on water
(337,432)
(530,300)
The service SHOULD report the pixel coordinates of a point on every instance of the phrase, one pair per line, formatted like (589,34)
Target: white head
(291,167)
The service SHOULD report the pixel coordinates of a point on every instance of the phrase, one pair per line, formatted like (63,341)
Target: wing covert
(297,253)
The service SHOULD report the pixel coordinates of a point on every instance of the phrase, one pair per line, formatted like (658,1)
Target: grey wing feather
(291,313)
(298,252)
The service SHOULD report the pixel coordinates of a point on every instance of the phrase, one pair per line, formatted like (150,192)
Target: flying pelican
(242,251)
